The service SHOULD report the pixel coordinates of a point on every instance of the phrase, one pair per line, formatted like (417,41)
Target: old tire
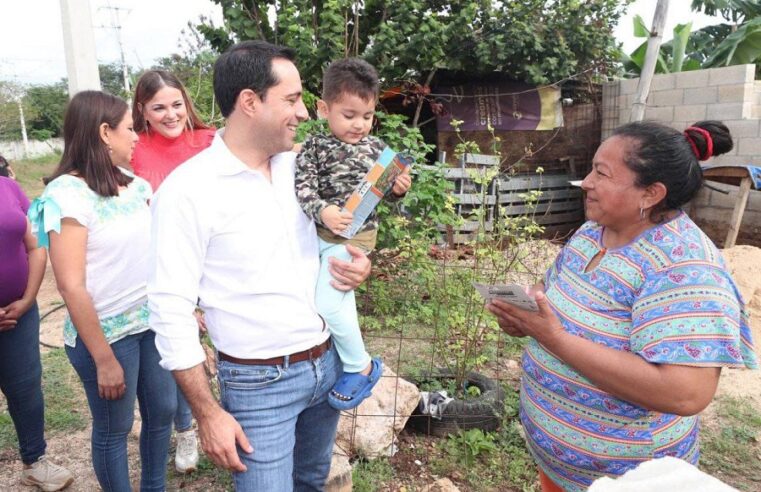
(481,412)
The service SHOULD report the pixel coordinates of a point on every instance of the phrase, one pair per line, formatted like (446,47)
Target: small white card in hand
(511,293)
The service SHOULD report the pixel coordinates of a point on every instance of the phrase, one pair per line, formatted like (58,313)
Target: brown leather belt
(308,354)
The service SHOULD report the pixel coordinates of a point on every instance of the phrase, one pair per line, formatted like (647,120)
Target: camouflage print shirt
(328,170)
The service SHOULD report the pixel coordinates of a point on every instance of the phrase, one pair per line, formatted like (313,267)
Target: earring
(641,213)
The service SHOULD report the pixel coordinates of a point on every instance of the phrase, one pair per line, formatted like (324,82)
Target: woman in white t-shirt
(95,219)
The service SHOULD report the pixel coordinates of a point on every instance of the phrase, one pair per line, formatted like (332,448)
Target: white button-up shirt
(224,234)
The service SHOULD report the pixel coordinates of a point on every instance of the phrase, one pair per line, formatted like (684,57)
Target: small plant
(467,333)
(468,445)
(369,476)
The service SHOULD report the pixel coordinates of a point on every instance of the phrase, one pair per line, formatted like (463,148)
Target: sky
(31,37)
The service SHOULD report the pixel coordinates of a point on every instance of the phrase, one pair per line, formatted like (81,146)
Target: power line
(117,26)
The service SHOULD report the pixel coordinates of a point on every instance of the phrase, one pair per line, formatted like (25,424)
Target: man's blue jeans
(155,391)
(21,383)
(285,414)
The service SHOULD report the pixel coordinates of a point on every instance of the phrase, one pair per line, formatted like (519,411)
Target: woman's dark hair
(246,65)
(4,165)
(85,154)
(350,76)
(658,153)
(149,84)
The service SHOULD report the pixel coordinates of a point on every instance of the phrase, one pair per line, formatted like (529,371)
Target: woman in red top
(170,133)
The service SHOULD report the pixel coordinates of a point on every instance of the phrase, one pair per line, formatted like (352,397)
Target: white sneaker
(186,454)
(47,475)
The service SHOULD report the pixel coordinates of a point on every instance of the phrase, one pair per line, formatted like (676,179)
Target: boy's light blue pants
(339,310)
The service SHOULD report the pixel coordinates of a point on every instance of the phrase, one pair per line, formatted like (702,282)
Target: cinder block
(749,147)
(628,86)
(663,82)
(691,112)
(662,113)
(736,93)
(678,124)
(693,78)
(672,97)
(728,111)
(742,128)
(701,95)
(736,74)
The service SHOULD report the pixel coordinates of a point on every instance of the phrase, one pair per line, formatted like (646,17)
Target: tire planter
(480,412)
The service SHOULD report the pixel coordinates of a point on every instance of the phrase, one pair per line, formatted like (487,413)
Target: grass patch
(65,404)
(65,401)
(29,172)
(730,450)
(206,477)
(369,476)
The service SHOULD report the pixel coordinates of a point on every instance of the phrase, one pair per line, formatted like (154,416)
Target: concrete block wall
(729,94)
(14,150)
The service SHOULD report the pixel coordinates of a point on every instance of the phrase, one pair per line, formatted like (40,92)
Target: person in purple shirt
(22,266)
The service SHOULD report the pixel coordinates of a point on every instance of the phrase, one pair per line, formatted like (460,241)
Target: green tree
(10,124)
(538,41)
(733,43)
(47,104)
(112,79)
(195,68)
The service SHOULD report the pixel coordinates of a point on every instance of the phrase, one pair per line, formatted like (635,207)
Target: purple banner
(503,105)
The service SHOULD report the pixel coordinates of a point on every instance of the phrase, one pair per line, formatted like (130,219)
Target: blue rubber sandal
(353,387)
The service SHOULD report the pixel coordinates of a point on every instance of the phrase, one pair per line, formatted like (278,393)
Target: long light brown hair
(149,84)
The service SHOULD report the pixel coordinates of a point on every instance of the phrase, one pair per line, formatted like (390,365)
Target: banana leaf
(740,47)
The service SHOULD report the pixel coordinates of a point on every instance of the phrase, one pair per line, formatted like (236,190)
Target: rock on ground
(372,429)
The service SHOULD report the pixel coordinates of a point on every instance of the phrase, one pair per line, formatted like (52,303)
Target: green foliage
(734,11)
(438,297)
(196,71)
(10,124)
(428,204)
(712,46)
(490,460)
(468,445)
(473,36)
(112,79)
(46,105)
(740,47)
(369,476)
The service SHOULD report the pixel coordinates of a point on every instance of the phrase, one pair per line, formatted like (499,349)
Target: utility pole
(651,58)
(15,92)
(117,25)
(79,46)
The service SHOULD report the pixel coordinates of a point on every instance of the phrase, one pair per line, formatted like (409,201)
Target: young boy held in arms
(328,169)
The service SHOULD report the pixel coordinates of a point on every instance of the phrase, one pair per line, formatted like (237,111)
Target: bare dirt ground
(73,450)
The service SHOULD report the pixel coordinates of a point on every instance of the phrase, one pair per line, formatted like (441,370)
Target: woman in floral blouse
(94,217)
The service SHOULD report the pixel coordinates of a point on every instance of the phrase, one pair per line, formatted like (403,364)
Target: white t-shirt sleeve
(73,198)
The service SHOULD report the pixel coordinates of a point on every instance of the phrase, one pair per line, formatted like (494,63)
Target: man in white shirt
(227,230)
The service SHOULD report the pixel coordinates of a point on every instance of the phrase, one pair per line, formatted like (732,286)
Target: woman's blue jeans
(21,383)
(155,391)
